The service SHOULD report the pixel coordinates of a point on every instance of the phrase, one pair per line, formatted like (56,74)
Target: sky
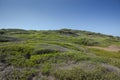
(92,15)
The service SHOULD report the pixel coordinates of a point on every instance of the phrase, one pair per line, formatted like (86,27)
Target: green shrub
(44,51)
(15,54)
(13,73)
(48,48)
(68,32)
(46,69)
(86,41)
(77,73)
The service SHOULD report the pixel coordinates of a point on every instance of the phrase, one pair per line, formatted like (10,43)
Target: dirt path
(112,48)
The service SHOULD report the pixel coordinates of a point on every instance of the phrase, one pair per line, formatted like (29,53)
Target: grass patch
(104,53)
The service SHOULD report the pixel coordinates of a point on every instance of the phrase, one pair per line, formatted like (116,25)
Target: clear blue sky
(92,15)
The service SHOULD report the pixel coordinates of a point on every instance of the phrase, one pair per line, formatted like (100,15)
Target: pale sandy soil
(112,48)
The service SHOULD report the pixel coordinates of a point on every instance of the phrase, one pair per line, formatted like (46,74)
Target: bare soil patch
(112,48)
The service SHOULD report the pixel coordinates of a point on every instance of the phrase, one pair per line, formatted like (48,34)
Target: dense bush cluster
(79,74)
(8,39)
(87,42)
(68,32)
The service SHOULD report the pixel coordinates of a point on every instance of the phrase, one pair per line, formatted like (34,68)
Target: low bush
(8,39)
(46,69)
(77,73)
(68,32)
(86,41)
(15,54)
(13,73)
(45,51)
(48,48)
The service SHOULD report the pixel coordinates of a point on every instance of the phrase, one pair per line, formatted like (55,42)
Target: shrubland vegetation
(57,55)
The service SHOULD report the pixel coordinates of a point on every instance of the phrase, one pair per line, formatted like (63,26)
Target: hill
(64,54)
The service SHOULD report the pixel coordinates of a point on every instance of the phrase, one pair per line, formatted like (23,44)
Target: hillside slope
(58,55)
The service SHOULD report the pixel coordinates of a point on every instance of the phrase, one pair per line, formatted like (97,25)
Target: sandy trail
(112,48)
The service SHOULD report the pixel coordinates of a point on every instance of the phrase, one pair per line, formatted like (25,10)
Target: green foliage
(8,39)
(104,53)
(87,41)
(48,48)
(18,74)
(106,57)
(46,69)
(56,55)
(14,31)
(15,54)
(68,32)
(70,46)
(44,51)
(77,73)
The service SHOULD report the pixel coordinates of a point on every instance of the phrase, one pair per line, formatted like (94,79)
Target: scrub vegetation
(64,54)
